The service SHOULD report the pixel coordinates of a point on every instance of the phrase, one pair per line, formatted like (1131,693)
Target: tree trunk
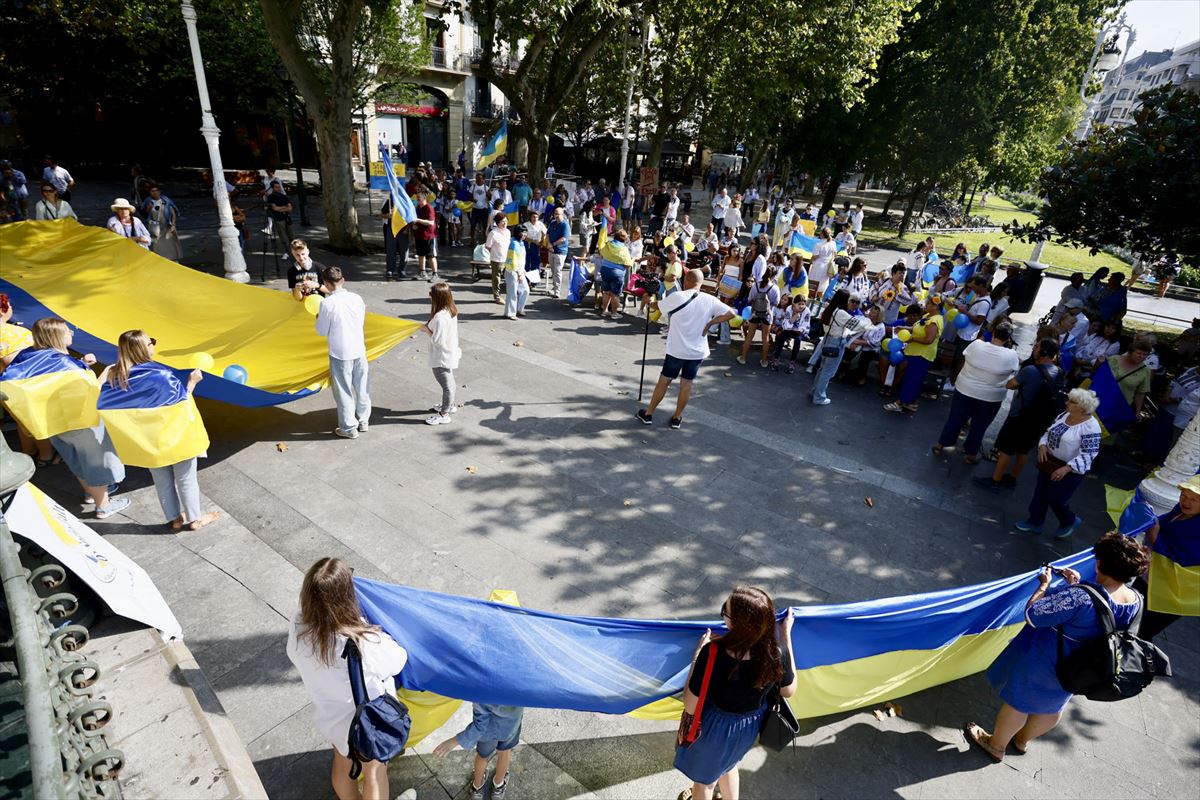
(908,211)
(971,202)
(337,179)
(862,182)
(782,179)
(655,141)
(755,162)
(539,150)
(830,196)
(891,196)
(808,185)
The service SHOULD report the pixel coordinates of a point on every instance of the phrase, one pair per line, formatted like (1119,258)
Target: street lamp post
(1104,59)
(235,264)
(295,139)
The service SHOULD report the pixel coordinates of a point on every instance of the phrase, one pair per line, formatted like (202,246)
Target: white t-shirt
(505,196)
(340,319)
(686,338)
(822,260)
(479,194)
(759,268)
(720,205)
(329,684)
(673,208)
(497,243)
(979,308)
(856,221)
(444,352)
(987,369)
(534,231)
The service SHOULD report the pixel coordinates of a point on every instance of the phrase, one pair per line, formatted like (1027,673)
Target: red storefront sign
(405,110)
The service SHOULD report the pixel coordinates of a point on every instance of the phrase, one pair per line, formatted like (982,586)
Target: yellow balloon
(904,335)
(668,241)
(312,304)
(688,246)
(736,321)
(951,314)
(884,344)
(201,361)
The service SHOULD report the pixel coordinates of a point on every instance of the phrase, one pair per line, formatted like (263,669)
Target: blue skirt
(724,741)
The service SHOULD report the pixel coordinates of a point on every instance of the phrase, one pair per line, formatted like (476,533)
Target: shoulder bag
(379,729)
(779,725)
(689,724)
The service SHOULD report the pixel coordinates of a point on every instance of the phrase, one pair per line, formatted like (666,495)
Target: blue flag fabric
(1066,356)
(1114,410)
(578,283)
(403,211)
(847,655)
(961,273)
(1137,517)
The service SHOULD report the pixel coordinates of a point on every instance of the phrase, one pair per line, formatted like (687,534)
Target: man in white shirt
(479,209)
(720,205)
(340,319)
(693,314)
(57,177)
(856,219)
(502,194)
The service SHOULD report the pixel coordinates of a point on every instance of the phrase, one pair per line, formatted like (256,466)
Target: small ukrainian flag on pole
(496,146)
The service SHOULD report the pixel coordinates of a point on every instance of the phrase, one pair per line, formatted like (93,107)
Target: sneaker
(762,364)
(896,407)
(498,791)
(350,434)
(647,419)
(438,419)
(422,276)
(824,401)
(987,483)
(433,276)
(675,423)
(810,369)
(513,317)
(496,299)
(363,427)
(774,365)
(478,792)
(1063,532)
(1028,527)
(741,360)
(113,507)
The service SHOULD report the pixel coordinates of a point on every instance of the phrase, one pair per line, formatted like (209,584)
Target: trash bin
(1033,275)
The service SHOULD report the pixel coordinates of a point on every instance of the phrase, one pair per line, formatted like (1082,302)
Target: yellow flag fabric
(103,284)
(1174,588)
(156,437)
(54,403)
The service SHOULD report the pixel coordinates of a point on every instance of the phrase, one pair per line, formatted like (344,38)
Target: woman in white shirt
(328,616)
(733,218)
(979,391)
(51,206)
(857,281)
(1065,454)
(444,352)
(822,267)
(498,240)
(637,245)
(842,323)
(1102,340)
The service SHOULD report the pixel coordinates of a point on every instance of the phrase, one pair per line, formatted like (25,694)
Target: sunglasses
(153,341)
(725,610)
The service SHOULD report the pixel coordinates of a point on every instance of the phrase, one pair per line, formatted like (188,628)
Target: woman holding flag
(1172,587)
(155,424)
(54,396)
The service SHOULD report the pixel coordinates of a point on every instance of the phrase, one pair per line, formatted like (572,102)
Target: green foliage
(1189,276)
(1134,187)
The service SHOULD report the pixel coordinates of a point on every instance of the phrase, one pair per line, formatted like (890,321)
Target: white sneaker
(363,427)
(115,505)
(741,360)
(438,419)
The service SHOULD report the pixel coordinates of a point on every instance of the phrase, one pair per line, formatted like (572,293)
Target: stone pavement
(758,486)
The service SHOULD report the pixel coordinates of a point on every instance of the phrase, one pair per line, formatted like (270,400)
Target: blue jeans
(1053,496)
(516,293)
(963,408)
(914,380)
(827,370)
(178,490)
(348,379)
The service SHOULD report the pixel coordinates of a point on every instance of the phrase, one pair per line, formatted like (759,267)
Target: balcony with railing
(502,62)
(448,59)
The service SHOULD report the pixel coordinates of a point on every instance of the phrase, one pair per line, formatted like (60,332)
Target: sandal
(974,732)
(49,462)
(970,460)
(1018,750)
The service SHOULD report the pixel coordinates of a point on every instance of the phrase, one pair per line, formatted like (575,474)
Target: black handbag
(779,725)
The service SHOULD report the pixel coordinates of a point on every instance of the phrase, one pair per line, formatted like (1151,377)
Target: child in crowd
(794,320)
(445,353)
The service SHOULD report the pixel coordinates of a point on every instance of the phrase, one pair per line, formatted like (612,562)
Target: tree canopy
(1134,187)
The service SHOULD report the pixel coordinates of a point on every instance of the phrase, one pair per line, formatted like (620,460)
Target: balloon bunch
(205,362)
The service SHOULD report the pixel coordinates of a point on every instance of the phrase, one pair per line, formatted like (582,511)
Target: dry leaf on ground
(281,447)
(870,503)
(471,470)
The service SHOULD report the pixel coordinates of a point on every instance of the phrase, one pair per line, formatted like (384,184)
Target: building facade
(1117,101)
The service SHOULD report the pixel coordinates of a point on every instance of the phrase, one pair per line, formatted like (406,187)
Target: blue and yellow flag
(1175,566)
(403,211)
(496,146)
(614,254)
(50,393)
(1114,411)
(513,212)
(516,255)
(155,422)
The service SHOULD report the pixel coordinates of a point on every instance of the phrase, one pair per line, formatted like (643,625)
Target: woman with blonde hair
(176,484)
(87,450)
(329,616)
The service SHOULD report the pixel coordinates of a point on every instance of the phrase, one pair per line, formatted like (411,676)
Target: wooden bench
(479,269)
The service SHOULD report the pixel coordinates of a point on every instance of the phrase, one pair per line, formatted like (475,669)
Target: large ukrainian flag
(155,422)
(496,146)
(50,393)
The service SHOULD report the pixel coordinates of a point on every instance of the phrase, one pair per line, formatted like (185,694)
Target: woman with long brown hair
(750,661)
(328,616)
(176,484)
(444,353)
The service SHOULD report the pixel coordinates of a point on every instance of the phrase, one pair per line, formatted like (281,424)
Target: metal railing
(448,58)
(68,754)
(491,111)
(503,62)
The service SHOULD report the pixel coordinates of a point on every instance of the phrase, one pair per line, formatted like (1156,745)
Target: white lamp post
(1105,58)
(235,264)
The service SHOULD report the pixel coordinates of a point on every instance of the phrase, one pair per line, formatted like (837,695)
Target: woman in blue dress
(748,663)
(1025,673)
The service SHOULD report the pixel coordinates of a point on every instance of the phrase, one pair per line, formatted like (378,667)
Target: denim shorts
(89,454)
(612,280)
(673,366)
(485,749)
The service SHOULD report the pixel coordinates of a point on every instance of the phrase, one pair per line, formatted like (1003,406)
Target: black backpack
(1050,400)
(1115,666)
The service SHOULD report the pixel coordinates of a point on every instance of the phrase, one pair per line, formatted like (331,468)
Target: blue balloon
(746,313)
(235,373)
(961,321)
(896,356)
(895,345)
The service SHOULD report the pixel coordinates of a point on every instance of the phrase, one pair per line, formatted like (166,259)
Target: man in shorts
(693,314)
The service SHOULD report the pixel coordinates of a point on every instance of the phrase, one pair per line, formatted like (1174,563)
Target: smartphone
(1052,568)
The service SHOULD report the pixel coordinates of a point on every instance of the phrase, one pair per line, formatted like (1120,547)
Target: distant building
(1118,99)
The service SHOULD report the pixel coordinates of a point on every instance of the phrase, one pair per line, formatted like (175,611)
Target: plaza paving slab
(580,509)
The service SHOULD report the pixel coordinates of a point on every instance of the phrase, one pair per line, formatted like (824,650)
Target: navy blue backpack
(380,727)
